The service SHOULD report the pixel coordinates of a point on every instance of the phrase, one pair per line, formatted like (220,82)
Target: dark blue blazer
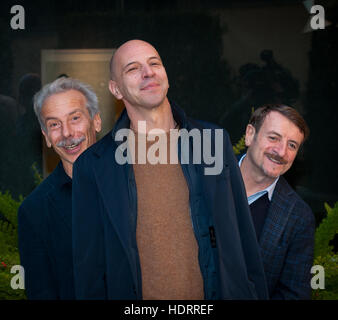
(106,262)
(287,244)
(44,228)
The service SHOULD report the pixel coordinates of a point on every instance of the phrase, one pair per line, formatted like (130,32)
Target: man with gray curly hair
(67,110)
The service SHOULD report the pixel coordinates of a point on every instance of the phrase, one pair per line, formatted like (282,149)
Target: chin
(153,103)
(271,174)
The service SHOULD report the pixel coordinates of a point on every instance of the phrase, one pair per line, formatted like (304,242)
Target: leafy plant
(239,146)
(37,175)
(325,256)
(9,253)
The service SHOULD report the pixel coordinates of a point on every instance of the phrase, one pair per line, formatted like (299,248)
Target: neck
(254,180)
(159,117)
(68,167)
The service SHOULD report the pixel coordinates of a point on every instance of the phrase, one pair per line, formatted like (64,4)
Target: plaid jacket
(287,244)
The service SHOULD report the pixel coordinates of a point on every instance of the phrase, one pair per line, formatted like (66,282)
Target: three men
(284,223)
(145,230)
(69,118)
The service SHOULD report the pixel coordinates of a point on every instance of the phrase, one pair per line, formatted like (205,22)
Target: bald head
(138,75)
(129,46)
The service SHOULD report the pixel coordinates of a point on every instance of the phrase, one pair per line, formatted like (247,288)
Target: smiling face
(140,79)
(70,129)
(273,149)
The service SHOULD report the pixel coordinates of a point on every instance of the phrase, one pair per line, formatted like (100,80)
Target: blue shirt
(270,189)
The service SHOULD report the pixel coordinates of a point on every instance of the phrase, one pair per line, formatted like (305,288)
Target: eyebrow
(155,57)
(132,62)
(69,114)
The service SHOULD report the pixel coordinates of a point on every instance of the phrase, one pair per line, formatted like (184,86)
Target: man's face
(273,149)
(70,129)
(140,77)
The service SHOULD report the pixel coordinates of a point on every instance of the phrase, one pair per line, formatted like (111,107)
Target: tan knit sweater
(166,242)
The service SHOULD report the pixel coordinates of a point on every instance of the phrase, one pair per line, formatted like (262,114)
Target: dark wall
(189,44)
(322,115)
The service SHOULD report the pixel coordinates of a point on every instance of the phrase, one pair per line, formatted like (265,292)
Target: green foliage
(37,175)
(239,146)
(325,256)
(326,231)
(9,253)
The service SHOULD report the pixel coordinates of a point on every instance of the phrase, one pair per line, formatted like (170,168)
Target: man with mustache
(163,230)
(68,113)
(284,223)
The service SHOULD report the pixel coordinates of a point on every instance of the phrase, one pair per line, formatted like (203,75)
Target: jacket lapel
(109,179)
(277,217)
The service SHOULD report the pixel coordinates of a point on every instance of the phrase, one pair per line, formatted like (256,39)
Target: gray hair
(64,84)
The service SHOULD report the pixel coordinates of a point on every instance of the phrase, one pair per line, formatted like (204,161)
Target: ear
(114,89)
(249,134)
(46,138)
(97,122)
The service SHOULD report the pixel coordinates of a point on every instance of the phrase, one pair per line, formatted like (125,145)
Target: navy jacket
(45,246)
(287,244)
(106,261)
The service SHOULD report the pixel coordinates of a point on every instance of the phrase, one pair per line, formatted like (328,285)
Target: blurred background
(223,58)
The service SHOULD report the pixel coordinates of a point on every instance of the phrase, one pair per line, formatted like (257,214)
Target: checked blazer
(287,244)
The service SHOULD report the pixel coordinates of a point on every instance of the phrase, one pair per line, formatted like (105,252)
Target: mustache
(70,141)
(276,157)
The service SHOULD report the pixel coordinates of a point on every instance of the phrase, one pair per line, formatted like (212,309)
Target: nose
(281,148)
(147,71)
(67,130)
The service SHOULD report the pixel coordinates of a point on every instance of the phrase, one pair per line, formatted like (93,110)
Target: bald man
(148,227)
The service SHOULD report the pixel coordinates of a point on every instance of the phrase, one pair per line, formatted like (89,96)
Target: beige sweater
(166,242)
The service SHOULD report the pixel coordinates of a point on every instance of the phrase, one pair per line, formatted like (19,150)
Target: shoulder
(201,125)
(42,190)
(35,202)
(95,150)
(300,209)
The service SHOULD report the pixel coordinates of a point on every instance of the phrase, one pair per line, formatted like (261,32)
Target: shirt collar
(270,189)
